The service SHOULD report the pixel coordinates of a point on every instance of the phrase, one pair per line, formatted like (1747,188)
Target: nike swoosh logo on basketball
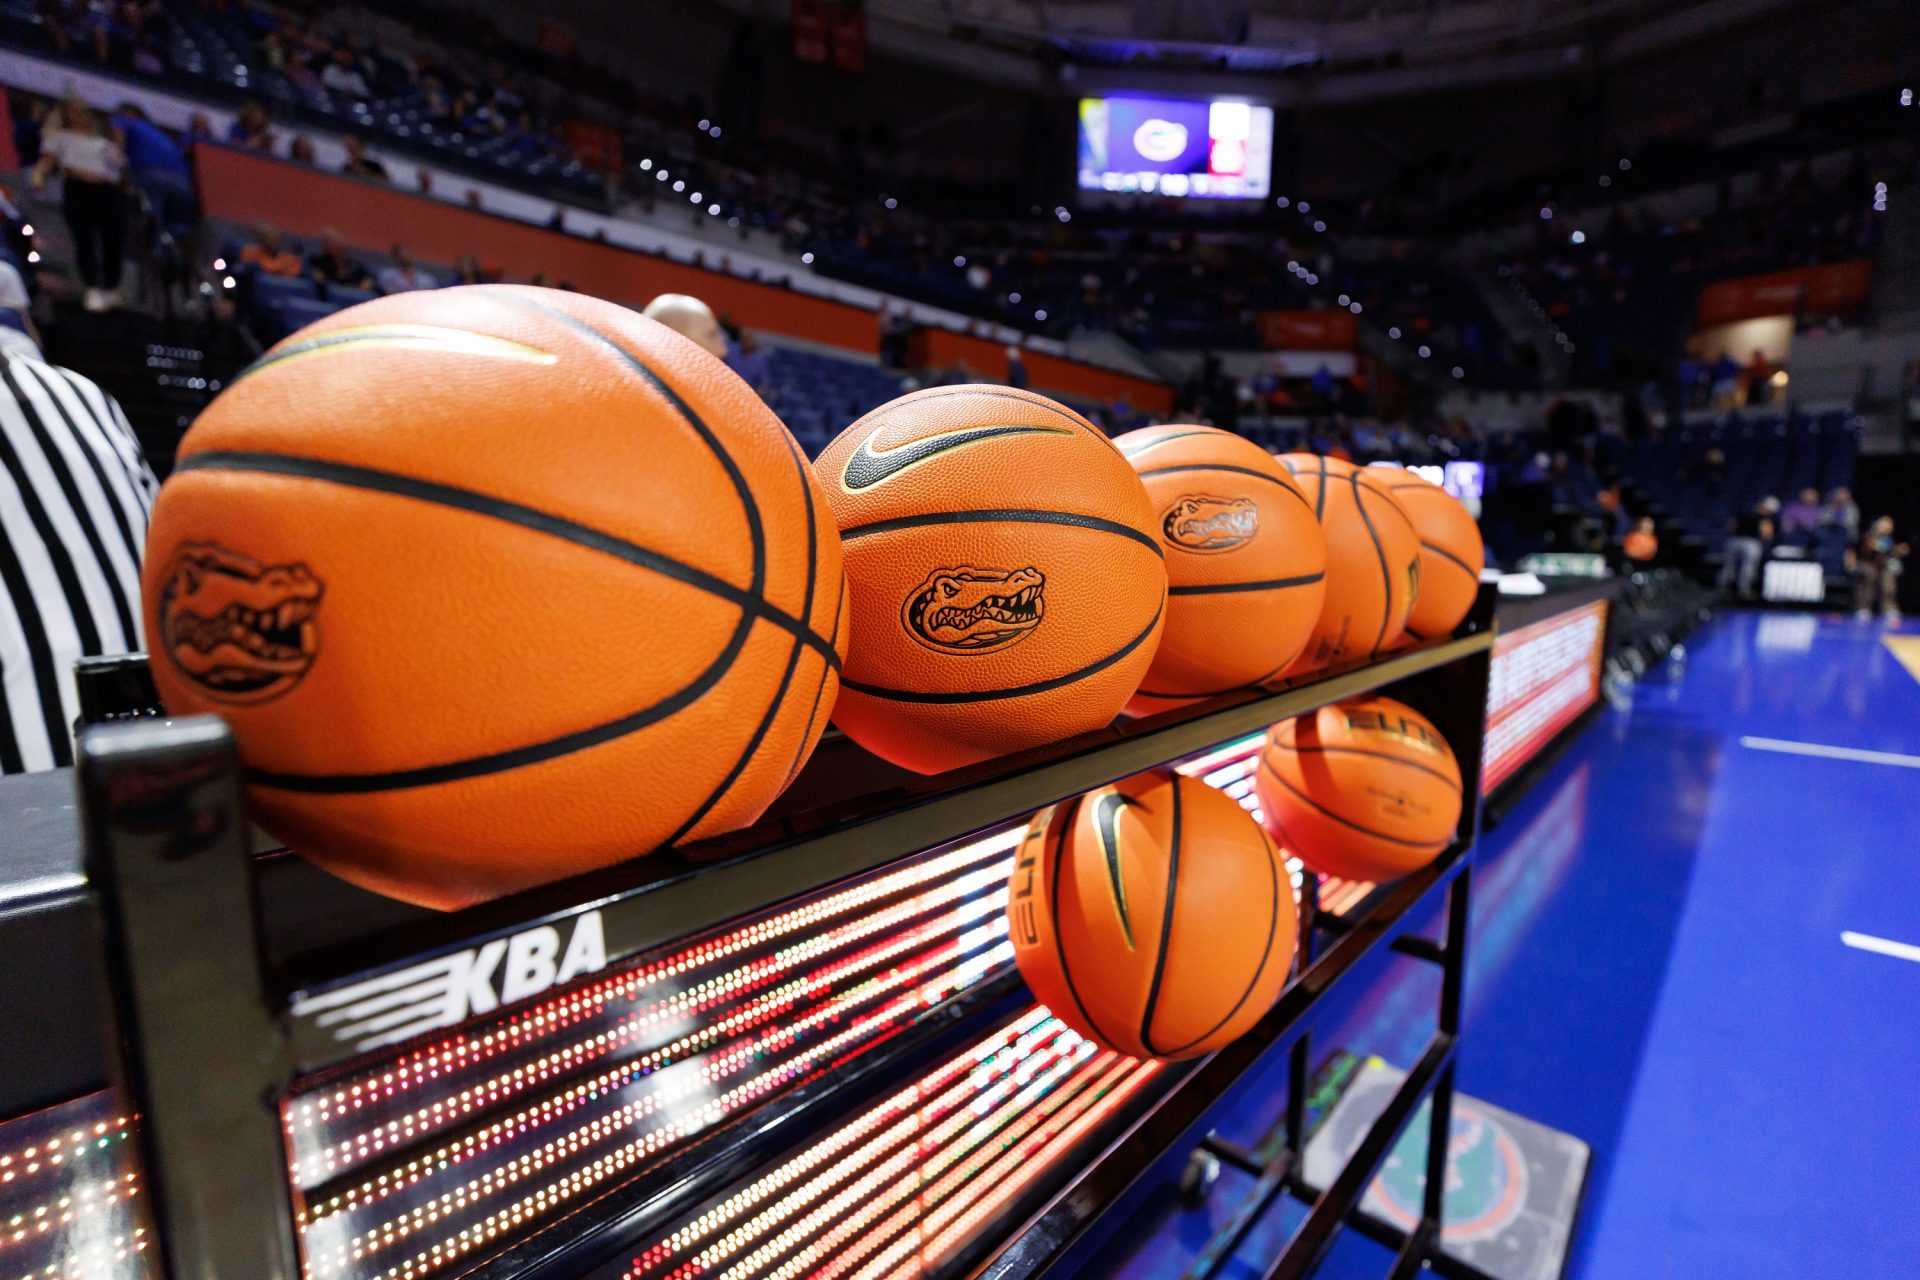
(1106,812)
(869,466)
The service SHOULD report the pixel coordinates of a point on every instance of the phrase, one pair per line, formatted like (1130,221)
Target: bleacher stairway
(159,372)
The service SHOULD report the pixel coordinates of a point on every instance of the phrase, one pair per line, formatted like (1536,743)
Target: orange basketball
(1451,554)
(1246,562)
(1153,916)
(1366,789)
(495,585)
(1005,584)
(1373,560)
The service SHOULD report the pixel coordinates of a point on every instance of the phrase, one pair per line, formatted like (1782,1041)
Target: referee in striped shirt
(75,492)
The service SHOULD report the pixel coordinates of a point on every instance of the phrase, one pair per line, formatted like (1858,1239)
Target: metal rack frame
(210,1038)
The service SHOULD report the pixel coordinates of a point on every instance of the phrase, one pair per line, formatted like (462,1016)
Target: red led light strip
(422,1162)
(908,1182)
(71,1202)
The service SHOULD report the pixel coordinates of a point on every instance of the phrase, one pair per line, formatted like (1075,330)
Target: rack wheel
(1197,1179)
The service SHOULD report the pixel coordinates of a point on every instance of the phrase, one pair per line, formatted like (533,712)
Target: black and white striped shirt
(75,492)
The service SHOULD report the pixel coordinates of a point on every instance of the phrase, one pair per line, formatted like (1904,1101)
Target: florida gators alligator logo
(1201,523)
(240,630)
(968,610)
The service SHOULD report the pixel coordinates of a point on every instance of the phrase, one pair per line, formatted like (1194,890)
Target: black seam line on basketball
(1320,495)
(1228,588)
(1266,950)
(1017,691)
(1166,925)
(1011,515)
(1065,825)
(813,570)
(749,507)
(1445,554)
(774,704)
(1386,575)
(819,691)
(1345,822)
(518,757)
(1393,503)
(1239,471)
(341,473)
(1144,445)
(1363,751)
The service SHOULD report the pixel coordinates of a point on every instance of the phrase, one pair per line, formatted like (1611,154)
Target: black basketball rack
(219,947)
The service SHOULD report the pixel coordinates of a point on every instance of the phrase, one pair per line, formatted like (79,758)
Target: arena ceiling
(1417,41)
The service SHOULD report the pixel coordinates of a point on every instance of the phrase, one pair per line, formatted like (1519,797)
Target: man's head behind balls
(691,318)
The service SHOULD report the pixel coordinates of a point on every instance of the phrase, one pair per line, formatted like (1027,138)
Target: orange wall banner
(9,158)
(1308,330)
(241,187)
(1829,288)
(944,349)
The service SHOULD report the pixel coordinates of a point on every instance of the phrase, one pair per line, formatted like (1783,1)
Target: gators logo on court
(1201,523)
(968,610)
(240,630)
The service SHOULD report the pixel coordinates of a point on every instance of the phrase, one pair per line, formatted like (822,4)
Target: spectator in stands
(1842,513)
(159,168)
(1876,565)
(1016,368)
(90,164)
(1746,547)
(1613,517)
(1726,382)
(1759,371)
(1642,546)
(268,254)
(467,270)
(252,128)
(404,276)
(1801,517)
(691,318)
(301,151)
(342,77)
(199,128)
(751,362)
(359,164)
(330,264)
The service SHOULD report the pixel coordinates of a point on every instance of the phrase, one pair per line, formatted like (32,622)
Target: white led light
(1425,351)
(646,162)
(1578,237)
(807,258)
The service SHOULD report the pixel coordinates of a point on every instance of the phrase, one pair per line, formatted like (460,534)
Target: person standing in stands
(690,318)
(75,493)
(1016,369)
(1747,547)
(1876,565)
(90,164)
(751,362)
(158,166)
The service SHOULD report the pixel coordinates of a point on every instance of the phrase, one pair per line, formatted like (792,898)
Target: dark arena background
(971,639)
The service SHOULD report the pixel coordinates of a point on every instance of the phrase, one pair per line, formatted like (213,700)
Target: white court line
(1831,753)
(1883,946)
